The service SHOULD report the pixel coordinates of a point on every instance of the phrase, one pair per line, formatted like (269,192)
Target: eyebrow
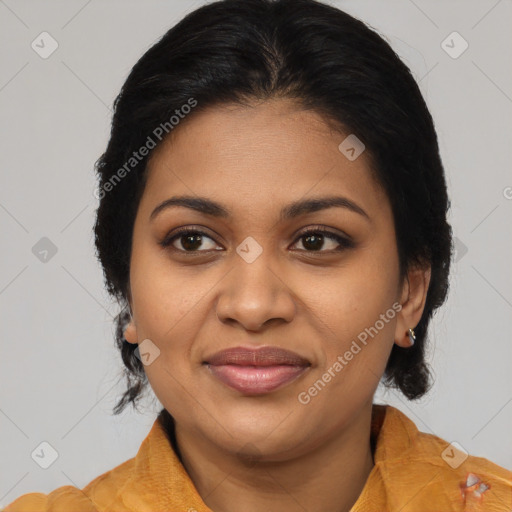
(302,207)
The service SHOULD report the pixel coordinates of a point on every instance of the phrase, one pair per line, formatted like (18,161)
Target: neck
(330,477)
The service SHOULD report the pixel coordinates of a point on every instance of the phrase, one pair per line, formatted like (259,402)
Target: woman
(272,219)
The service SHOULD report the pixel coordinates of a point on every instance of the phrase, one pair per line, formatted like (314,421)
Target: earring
(412,336)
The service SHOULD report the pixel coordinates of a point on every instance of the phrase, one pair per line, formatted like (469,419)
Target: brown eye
(314,240)
(191,240)
(187,240)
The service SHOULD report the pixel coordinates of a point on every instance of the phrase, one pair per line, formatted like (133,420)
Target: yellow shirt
(413,472)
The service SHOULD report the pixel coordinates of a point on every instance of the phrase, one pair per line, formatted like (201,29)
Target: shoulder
(476,476)
(102,493)
(439,471)
(475,483)
(118,490)
(63,499)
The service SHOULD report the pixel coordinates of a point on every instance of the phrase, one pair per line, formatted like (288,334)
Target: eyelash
(345,243)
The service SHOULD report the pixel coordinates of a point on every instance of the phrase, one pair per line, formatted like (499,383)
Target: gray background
(59,369)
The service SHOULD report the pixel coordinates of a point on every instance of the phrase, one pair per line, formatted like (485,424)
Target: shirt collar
(408,472)
(159,481)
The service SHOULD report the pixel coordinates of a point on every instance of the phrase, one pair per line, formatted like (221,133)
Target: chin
(254,437)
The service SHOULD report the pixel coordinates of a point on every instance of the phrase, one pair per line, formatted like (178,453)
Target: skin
(270,451)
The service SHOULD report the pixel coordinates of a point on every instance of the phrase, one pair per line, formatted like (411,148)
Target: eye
(314,240)
(189,239)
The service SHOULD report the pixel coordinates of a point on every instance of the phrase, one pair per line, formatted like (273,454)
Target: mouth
(256,371)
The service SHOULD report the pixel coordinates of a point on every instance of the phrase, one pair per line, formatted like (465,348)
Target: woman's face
(252,279)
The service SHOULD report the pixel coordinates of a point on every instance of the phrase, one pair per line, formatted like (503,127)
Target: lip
(256,371)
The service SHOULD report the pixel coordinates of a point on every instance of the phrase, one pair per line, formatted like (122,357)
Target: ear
(130,332)
(414,295)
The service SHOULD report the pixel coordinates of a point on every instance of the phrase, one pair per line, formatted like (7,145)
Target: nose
(254,295)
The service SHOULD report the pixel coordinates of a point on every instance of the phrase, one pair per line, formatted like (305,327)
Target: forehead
(254,157)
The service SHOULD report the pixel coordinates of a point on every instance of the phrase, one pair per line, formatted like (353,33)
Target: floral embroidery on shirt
(473,487)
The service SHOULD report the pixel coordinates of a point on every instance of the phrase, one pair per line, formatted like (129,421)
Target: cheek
(355,296)
(357,306)
(168,305)
(163,293)
(364,327)
(164,304)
